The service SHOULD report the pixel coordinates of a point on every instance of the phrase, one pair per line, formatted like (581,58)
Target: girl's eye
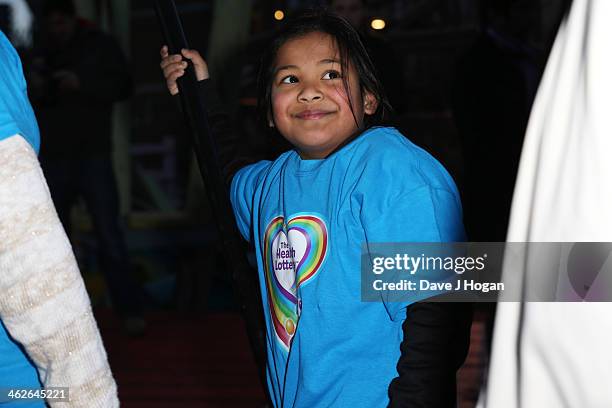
(290,79)
(332,75)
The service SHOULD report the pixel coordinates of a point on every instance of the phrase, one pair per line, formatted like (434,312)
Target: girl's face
(310,106)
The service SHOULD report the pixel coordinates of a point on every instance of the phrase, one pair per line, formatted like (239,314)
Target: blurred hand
(67,81)
(173,67)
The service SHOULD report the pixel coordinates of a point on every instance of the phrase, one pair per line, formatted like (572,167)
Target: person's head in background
(60,20)
(354,11)
(317,85)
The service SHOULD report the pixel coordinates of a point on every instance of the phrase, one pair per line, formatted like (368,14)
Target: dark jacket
(79,123)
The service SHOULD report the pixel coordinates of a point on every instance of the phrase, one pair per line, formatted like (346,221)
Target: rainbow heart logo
(293,254)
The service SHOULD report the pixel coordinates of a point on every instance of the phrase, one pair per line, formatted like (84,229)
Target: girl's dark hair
(351,51)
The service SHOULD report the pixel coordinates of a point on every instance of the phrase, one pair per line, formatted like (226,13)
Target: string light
(279,15)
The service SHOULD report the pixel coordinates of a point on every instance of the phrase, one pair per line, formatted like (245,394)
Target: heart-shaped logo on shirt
(293,254)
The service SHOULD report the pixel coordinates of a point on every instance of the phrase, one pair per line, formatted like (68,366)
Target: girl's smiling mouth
(312,114)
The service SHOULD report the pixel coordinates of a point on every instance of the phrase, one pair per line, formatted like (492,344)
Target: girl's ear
(370,103)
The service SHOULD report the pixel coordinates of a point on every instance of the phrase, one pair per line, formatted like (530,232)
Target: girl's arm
(230,149)
(436,342)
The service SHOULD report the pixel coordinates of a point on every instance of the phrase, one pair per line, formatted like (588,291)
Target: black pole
(244,277)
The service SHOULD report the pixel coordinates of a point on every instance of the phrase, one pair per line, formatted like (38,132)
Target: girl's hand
(173,67)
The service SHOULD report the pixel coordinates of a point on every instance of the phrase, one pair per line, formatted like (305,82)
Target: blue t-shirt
(308,220)
(16,117)
(16,114)
(16,372)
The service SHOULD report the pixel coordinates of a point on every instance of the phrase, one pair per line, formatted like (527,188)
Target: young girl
(347,182)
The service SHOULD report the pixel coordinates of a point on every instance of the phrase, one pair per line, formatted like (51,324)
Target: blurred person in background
(76,75)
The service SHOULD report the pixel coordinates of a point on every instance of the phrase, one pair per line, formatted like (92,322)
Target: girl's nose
(310,94)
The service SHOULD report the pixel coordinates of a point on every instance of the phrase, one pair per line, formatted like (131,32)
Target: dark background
(460,96)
